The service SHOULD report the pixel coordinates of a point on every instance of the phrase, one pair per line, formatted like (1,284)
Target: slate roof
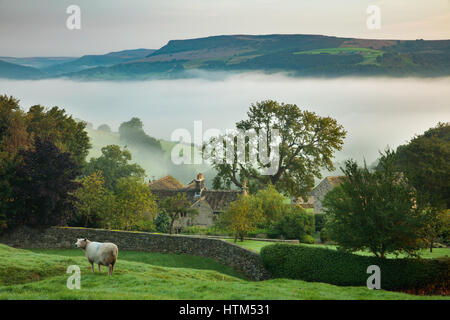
(168,182)
(219,200)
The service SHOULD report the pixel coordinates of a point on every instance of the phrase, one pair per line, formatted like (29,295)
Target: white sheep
(100,253)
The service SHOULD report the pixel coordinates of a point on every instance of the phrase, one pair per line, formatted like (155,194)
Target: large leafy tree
(306,144)
(26,139)
(61,129)
(114,164)
(43,185)
(375,211)
(425,161)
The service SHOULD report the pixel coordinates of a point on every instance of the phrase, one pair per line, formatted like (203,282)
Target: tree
(104,128)
(436,226)
(132,132)
(61,129)
(162,222)
(242,216)
(306,144)
(43,186)
(135,206)
(90,198)
(114,164)
(425,162)
(375,211)
(273,204)
(177,207)
(297,224)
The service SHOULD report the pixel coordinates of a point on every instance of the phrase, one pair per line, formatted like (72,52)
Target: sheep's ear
(85,239)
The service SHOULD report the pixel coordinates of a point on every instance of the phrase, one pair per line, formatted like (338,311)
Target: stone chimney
(245,188)
(199,184)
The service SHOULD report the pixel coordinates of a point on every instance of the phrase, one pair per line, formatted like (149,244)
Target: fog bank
(376,112)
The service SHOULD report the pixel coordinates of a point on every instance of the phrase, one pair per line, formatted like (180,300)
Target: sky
(38,27)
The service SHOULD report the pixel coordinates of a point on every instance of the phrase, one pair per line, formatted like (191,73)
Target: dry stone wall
(242,260)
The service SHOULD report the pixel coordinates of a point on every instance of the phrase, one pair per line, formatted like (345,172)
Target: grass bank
(41,274)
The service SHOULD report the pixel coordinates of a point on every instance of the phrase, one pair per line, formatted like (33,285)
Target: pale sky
(38,27)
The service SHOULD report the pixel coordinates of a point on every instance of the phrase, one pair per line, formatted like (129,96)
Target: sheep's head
(81,243)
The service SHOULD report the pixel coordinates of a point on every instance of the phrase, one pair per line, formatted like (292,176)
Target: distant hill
(38,62)
(91,61)
(296,55)
(16,71)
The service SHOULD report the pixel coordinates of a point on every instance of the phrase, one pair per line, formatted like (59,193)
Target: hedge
(346,269)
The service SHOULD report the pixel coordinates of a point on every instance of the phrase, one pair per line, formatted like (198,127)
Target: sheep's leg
(99,268)
(92,267)
(110,269)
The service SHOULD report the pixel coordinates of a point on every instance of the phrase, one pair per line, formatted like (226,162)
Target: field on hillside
(41,274)
(369,55)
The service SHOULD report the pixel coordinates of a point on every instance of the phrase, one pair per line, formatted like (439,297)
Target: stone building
(209,203)
(319,192)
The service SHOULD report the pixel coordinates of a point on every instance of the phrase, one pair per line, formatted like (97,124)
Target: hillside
(156,165)
(90,61)
(297,55)
(41,274)
(37,62)
(16,71)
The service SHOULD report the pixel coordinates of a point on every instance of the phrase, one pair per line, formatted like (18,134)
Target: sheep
(100,253)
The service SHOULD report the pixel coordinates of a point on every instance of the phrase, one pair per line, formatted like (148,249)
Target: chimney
(199,184)
(245,188)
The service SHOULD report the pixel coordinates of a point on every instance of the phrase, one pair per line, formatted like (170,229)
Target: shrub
(347,269)
(162,222)
(296,224)
(307,239)
(255,233)
(324,235)
(319,221)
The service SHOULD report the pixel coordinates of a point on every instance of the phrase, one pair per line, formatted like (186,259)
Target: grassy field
(256,245)
(369,55)
(41,274)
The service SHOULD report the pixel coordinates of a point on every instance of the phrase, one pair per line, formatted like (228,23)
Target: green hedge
(346,269)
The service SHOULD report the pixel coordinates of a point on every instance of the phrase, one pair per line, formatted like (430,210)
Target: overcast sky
(38,27)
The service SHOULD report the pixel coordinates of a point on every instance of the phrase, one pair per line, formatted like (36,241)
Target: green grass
(41,274)
(256,245)
(369,55)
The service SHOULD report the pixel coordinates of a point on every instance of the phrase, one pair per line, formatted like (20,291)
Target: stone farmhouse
(316,196)
(209,203)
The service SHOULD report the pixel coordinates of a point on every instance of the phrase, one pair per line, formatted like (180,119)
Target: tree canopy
(114,164)
(306,144)
(425,161)
(375,210)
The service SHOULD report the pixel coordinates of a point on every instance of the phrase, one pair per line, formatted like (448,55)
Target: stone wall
(242,260)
